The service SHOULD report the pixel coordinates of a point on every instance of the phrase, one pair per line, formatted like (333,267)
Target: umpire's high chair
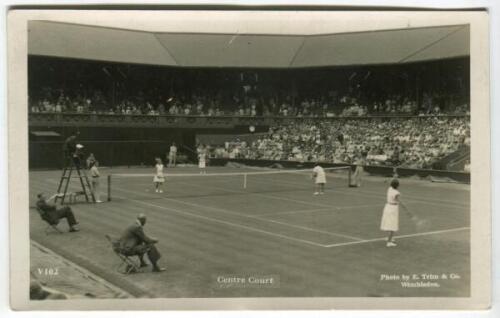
(65,180)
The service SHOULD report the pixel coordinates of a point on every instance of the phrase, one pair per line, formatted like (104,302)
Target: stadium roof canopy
(267,39)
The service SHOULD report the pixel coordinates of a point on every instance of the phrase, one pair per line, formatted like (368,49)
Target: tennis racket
(419,222)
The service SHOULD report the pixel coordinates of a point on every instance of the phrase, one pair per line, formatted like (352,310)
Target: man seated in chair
(135,242)
(51,214)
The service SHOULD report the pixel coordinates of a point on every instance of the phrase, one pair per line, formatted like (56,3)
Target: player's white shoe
(156,190)
(316,193)
(161,191)
(391,244)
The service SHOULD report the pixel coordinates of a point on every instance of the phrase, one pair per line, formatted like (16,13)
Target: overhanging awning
(394,46)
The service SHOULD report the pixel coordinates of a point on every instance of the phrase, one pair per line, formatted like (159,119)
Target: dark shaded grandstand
(179,92)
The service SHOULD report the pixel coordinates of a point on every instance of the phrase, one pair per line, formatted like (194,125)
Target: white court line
(400,236)
(269,220)
(325,206)
(216,220)
(262,195)
(274,197)
(337,208)
(410,197)
(294,211)
(288,237)
(249,228)
(418,199)
(261,218)
(253,217)
(368,195)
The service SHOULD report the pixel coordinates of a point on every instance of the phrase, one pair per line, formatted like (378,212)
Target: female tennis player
(390,216)
(358,172)
(202,160)
(159,178)
(319,179)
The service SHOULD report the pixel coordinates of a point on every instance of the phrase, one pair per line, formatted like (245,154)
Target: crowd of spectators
(75,86)
(206,105)
(412,143)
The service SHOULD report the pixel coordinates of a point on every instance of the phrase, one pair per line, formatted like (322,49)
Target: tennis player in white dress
(358,173)
(390,216)
(159,177)
(202,161)
(319,179)
(172,156)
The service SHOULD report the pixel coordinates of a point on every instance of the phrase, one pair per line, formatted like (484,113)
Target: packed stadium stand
(407,109)
(325,92)
(407,142)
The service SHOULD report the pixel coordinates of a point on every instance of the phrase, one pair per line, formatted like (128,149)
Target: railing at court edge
(183,121)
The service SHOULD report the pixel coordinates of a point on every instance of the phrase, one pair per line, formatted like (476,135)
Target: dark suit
(135,242)
(69,146)
(51,214)
(71,152)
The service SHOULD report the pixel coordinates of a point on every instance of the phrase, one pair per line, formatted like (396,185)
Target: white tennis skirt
(202,164)
(159,179)
(359,170)
(320,179)
(390,218)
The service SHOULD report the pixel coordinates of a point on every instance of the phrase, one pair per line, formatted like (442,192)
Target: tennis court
(212,226)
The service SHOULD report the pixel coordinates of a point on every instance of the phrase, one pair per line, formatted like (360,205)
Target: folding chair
(127,264)
(51,226)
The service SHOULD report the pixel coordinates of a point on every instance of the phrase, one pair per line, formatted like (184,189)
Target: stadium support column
(113,96)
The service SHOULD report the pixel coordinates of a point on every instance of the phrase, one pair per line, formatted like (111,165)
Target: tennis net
(141,186)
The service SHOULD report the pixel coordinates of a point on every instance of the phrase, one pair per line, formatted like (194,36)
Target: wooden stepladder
(66,178)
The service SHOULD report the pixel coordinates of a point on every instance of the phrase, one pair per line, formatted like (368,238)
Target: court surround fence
(180,121)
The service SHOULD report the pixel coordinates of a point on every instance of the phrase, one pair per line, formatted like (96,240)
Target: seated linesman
(51,214)
(135,242)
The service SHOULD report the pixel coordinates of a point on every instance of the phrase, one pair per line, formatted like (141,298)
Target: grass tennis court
(328,245)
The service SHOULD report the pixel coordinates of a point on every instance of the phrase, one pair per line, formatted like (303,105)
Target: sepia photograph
(241,155)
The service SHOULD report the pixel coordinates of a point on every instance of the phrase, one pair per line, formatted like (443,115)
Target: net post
(244,181)
(109,187)
(349,176)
